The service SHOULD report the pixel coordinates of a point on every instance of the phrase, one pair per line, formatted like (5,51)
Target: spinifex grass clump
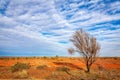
(20,66)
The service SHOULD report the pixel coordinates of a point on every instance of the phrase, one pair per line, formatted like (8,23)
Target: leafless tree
(87,46)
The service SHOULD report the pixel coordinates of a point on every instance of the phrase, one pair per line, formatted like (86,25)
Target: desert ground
(58,68)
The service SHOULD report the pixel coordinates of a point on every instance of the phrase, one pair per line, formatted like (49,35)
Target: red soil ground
(53,63)
(107,63)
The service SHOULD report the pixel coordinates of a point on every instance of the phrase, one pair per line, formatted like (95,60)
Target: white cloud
(31,41)
(24,23)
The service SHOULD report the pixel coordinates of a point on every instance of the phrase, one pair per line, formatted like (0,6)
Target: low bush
(41,66)
(44,57)
(64,68)
(20,66)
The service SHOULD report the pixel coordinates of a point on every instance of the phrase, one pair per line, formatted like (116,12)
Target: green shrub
(41,66)
(20,66)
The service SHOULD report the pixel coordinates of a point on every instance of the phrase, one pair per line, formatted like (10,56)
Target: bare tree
(87,46)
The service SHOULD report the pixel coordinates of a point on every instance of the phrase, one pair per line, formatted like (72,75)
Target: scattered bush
(41,66)
(44,57)
(26,57)
(20,66)
(57,56)
(1,58)
(115,58)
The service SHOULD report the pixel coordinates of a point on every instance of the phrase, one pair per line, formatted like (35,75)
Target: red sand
(107,63)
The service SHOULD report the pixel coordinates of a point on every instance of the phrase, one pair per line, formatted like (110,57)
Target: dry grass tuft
(21,75)
(20,66)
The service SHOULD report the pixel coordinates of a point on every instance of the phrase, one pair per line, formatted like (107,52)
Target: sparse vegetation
(20,66)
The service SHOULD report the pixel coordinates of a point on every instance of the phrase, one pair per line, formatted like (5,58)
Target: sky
(44,27)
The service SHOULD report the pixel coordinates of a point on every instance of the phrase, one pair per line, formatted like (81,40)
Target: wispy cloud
(44,27)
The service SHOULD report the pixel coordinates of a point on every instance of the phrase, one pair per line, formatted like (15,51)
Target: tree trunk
(88,67)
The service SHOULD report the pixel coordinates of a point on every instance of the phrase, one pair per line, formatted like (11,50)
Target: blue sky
(44,27)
